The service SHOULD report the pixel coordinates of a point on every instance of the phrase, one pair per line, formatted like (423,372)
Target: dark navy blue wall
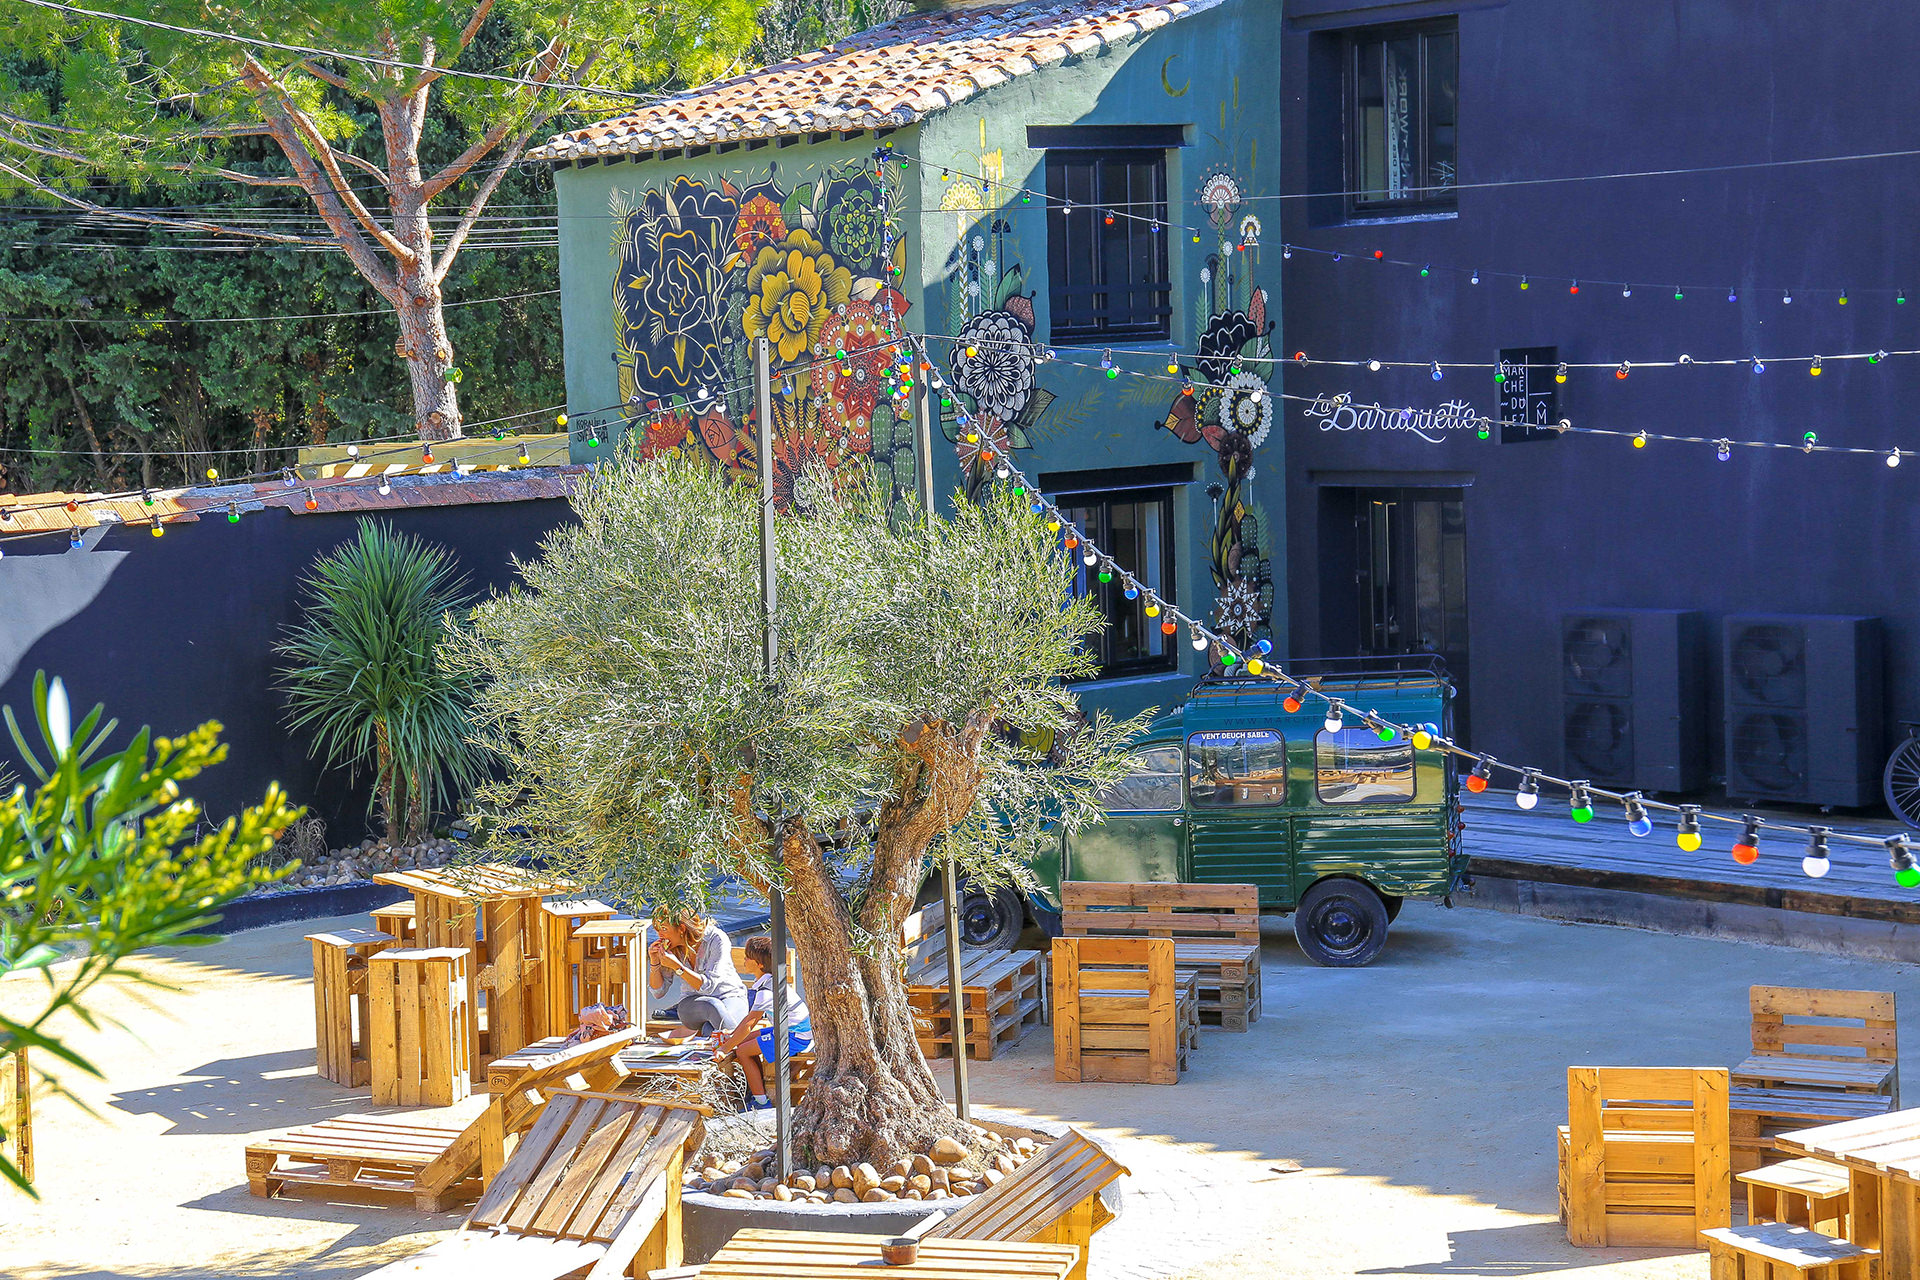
(178,630)
(1572,87)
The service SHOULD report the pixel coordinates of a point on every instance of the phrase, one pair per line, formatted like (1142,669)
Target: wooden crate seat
(1809,1041)
(1644,1156)
(1809,1192)
(593,1189)
(433,1164)
(609,962)
(1121,1012)
(1215,929)
(341,1017)
(396,918)
(1003,992)
(1777,1251)
(421,1051)
(557,1013)
(1054,1198)
(16,1111)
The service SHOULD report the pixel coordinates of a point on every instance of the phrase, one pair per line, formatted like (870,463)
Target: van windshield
(1236,767)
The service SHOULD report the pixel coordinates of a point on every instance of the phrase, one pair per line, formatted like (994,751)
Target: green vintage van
(1337,827)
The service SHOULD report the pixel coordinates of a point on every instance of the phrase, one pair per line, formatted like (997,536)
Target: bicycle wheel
(1901,782)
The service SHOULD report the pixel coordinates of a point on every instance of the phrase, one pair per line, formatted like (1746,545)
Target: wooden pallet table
(421,1052)
(495,912)
(340,1015)
(1882,1157)
(1760,1115)
(760,1254)
(1004,993)
(1215,929)
(1777,1251)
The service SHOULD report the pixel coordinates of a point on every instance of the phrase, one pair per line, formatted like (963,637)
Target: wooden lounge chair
(593,1190)
(1643,1158)
(1819,1057)
(1121,1011)
(436,1165)
(1054,1198)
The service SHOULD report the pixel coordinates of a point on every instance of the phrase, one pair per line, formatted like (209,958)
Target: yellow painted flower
(796,284)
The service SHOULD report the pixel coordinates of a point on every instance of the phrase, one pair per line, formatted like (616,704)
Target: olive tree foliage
(647,754)
(193,90)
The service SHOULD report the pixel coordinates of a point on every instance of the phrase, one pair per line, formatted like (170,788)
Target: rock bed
(366,860)
(946,1171)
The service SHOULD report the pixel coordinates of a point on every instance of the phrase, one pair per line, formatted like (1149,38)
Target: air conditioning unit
(1633,697)
(1805,720)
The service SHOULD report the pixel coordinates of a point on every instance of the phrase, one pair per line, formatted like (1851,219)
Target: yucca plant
(363,678)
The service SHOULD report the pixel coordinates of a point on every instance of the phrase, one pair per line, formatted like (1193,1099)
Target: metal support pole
(770,654)
(950,876)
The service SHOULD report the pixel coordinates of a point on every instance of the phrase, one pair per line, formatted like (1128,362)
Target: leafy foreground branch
(99,860)
(647,753)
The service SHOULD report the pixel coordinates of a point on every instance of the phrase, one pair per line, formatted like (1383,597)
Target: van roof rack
(1368,669)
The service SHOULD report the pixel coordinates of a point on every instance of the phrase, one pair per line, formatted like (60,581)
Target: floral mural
(1231,409)
(705,267)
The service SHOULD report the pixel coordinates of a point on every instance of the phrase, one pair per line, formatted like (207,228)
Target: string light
(1746,850)
(1334,723)
(1477,780)
(1688,834)
(1816,864)
(1579,803)
(313,503)
(1638,823)
(1528,794)
(1900,858)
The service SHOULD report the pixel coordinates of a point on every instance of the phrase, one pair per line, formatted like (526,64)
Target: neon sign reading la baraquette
(1340,413)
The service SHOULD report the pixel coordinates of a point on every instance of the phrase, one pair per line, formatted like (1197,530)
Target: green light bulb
(1908,878)
(1583,813)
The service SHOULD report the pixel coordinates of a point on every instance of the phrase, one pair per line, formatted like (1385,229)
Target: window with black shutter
(1107,244)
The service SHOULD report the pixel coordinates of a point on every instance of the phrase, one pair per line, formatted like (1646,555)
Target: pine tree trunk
(429,355)
(873,1097)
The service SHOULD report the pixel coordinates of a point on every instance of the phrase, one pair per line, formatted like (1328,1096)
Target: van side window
(1154,784)
(1353,766)
(1236,768)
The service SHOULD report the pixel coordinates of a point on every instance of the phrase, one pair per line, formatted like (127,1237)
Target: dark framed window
(1136,528)
(1402,117)
(1153,786)
(1236,768)
(1353,766)
(1107,244)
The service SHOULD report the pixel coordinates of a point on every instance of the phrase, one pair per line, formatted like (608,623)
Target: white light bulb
(1527,799)
(1199,643)
(1815,867)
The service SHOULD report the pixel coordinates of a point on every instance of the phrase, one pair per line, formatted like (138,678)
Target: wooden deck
(1548,847)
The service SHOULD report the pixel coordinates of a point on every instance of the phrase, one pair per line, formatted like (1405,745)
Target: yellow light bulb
(1422,739)
(1053,526)
(560,421)
(1153,611)
(1688,840)
(1255,666)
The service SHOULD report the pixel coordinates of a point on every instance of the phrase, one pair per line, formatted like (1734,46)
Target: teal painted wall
(1216,75)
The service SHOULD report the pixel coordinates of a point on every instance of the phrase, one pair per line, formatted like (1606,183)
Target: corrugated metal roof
(885,77)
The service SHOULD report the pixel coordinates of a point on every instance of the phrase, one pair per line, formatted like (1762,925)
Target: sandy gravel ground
(1417,1098)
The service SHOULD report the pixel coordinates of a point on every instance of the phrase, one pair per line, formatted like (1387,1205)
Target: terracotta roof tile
(885,77)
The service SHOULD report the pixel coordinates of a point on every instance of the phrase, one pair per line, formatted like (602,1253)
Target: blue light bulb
(1641,825)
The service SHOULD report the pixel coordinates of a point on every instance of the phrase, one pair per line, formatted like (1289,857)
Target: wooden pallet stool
(422,1054)
(1215,928)
(609,959)
(1003,992)
(1809,1040)
(340,1015)
(1778,1251)
(1054,1198)
(557,1006)
(396,918)
(1644,1156)
(16,1111)
(1121,1012)
(1801,1193)
(433,1165)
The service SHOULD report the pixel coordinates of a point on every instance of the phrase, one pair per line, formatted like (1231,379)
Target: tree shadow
(1524,1249)
(239,1095)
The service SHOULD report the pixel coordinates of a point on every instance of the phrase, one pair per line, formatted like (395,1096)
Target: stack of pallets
(1215,929)
(1003,996)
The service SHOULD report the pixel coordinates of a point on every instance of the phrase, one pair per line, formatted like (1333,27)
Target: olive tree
(647,753)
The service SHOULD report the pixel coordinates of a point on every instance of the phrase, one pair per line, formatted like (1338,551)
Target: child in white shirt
(751,1042)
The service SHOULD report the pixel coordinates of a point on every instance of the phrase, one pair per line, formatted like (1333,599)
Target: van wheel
(1341,924)
(1394,902)
(990,921)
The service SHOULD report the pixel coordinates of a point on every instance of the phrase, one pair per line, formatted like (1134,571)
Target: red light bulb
(1168,627)
(1379,253)
(1291,703)
(1746,851)
(1477,780)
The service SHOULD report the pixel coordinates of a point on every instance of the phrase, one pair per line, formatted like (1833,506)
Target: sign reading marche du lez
(1528,393)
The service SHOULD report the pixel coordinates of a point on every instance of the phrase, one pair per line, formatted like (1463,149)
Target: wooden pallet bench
(1809,1042)
(1121,1011)
(1215,929)
(1003,993)
(433,1165)
(1761,1115)
(1053,1198)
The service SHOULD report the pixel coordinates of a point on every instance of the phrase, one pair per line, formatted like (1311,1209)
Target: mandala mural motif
(1231,411)
(704,267)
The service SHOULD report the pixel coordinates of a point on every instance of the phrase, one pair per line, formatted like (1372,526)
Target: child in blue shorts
(752,1042)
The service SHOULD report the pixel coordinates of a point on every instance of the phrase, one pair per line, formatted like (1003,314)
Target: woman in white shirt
(695,952)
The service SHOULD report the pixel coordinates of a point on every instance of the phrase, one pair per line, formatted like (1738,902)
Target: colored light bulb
(159,530)
(1900,857)
(1687,835)
(1255,666)
(1580,804)
(1291,703)
(1637,820)
(1387,732)
(1132,592)
(1333,722)
(1574,287)
(313,503)
(1814,368)
(1421,737)
(1426,271)
(1198,641)
(1723,449)
(1624,369)
(1153,608)
(1677,295)
(1758,366)
(1626,291)
(233,513)
(1816,864)
(1168,627)
(1437,375)
(1746,850)
(1477,780)
(1560,374)
(1528,794)
(1523,282)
